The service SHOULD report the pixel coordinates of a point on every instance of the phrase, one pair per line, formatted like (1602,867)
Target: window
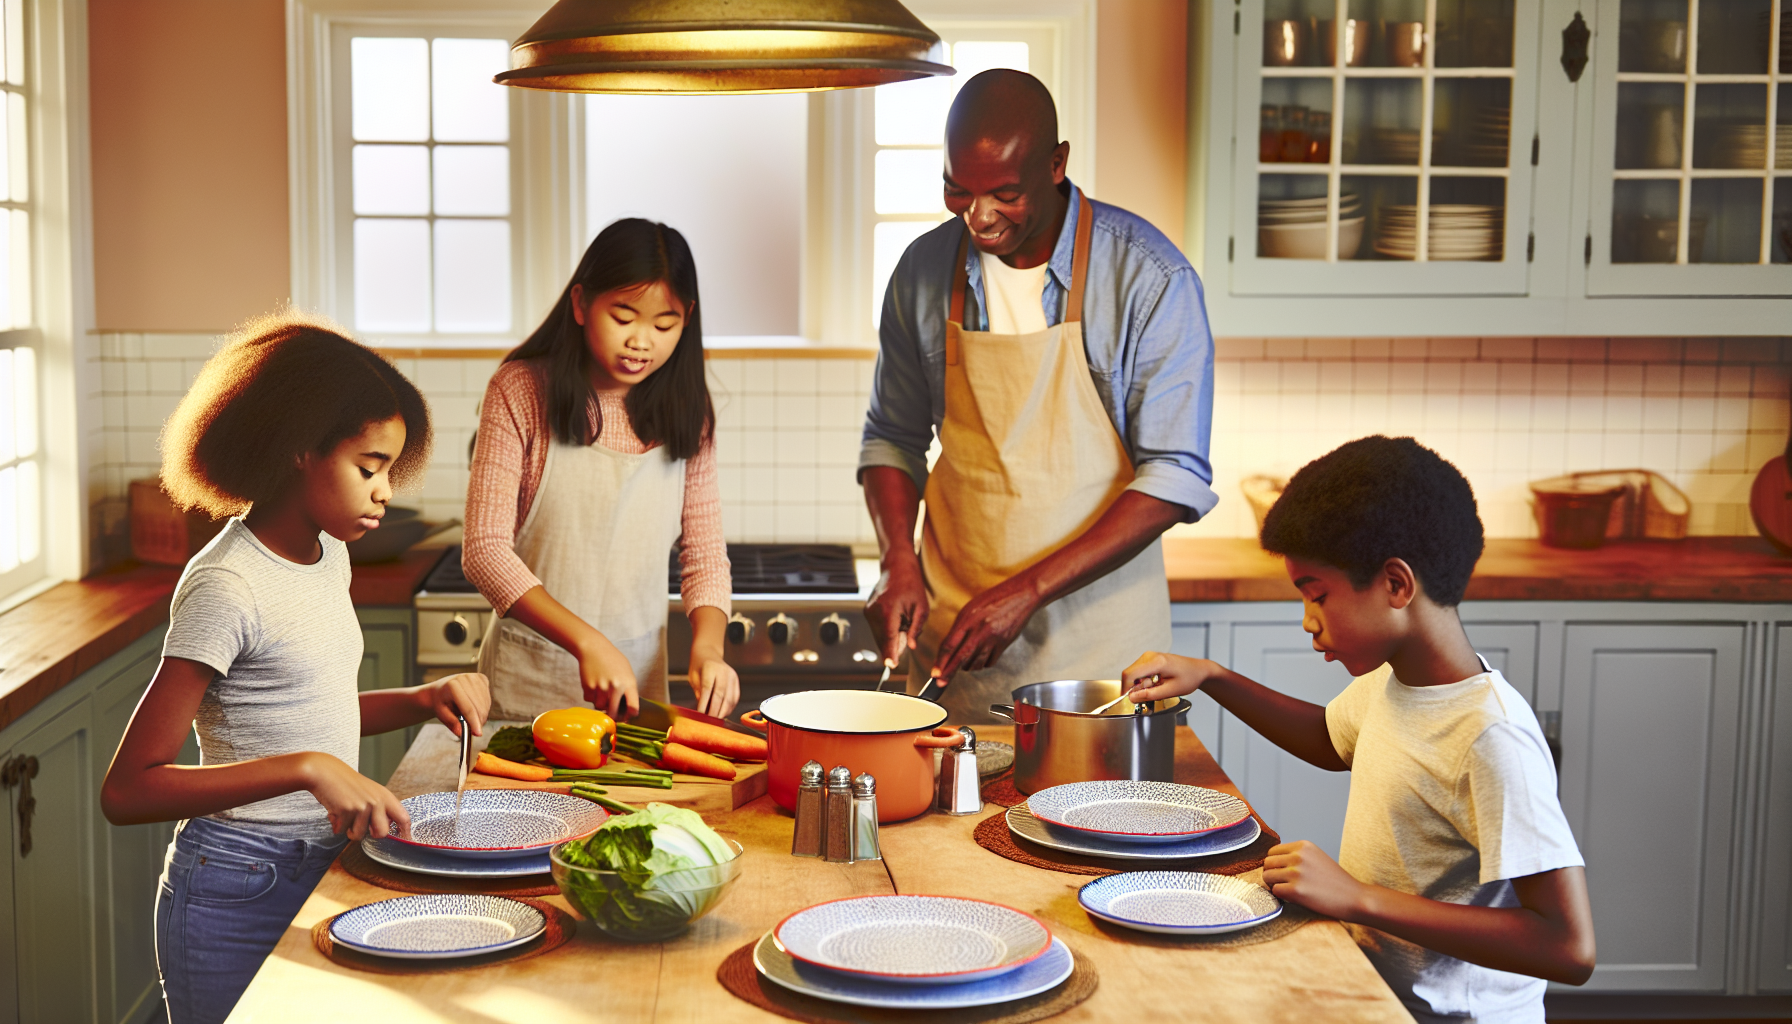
(21,490)
(430,186)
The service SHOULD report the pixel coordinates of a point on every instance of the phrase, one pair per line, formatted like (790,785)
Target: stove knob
(455,631)
(834,630)
(780,629)
(740,629)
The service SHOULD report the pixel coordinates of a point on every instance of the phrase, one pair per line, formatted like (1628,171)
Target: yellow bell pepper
(575,737)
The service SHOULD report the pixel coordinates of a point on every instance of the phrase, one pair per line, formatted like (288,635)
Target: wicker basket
(1262,492)
(1650,508)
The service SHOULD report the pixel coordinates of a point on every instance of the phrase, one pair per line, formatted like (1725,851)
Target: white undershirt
(1015,297)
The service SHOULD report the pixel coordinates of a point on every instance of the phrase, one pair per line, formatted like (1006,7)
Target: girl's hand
(357,805)
(607,678)
(1302,872)
(716,683)
(1156,676)
(467,694)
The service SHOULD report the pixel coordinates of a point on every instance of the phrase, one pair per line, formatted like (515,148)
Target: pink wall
(189,162)
(1141,109)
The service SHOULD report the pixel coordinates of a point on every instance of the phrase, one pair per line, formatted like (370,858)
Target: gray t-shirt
(286,645)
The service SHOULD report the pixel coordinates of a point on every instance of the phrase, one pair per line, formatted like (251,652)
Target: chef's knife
(658,715)
(460,786)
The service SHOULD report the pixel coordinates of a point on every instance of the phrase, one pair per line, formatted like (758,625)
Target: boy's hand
(357,805)
(1302,873)
(468,694)
(1156,676)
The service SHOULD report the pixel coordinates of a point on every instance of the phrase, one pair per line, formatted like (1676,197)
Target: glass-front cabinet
(1692,153)
(1393,147)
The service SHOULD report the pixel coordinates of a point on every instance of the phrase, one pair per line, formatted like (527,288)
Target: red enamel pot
(890,735)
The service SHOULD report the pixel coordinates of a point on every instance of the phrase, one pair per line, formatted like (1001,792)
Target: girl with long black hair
(595,453)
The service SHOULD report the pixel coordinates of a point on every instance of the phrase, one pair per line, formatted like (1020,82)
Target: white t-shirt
(1452,793)
(286,645)
(1016,298)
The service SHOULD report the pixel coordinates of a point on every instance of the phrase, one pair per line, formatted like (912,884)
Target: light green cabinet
(387,661)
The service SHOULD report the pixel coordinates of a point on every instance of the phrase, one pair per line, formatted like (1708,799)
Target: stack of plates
(1744,147)
(440,926)
(1179,902)
(1393,146)
(1487,146)
(913,953)
(1459,231)
(1295,228)
(495,824)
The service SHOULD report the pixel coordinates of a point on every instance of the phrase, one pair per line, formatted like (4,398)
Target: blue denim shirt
(1144,332)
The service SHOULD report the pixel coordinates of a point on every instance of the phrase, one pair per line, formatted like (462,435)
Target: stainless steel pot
(1057,741)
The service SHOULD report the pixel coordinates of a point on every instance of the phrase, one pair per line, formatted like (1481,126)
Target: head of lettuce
(646,876)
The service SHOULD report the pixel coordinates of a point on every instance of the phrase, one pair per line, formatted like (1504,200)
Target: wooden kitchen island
(1313,974)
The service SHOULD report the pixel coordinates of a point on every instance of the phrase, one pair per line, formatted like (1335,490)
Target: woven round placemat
(738,975)
(1291,919)
(1000,790)
(992,834)
(560,928)
(355,861)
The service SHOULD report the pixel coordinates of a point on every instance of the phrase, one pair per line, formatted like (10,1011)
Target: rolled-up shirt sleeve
(1170,403)
(899,424)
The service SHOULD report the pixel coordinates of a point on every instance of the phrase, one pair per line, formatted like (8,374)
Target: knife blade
(460,786)
(660,715)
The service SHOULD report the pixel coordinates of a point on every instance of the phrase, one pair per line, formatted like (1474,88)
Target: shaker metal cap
(864,785)
(811,773)
(840,777)
(969,741)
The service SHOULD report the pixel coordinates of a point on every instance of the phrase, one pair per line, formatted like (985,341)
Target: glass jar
(1319,137)
(1269,136)
(1294,135)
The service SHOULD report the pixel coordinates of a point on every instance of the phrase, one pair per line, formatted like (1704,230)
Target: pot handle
(945,737)
(753,720)
(1005,710)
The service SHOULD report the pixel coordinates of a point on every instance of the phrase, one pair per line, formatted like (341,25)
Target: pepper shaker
(836,818)
(960,789)
(807,840)
(864,816)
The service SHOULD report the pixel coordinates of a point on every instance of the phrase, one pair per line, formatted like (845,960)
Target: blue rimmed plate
(913,940)
(408,857)
(1129,810)
(1179,902)
(1040,975)
(498,823)
(437,927)
(1022,823)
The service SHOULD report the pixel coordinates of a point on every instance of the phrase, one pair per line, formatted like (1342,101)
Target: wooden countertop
(49,640)
(1695,569)
(1313,974)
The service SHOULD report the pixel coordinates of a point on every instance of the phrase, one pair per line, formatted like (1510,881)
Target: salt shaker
(864,817)
(959,786)
(836,817)
(807,840)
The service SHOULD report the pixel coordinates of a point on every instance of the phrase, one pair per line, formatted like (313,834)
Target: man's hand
(985,627)
(898,607)
(1302,873)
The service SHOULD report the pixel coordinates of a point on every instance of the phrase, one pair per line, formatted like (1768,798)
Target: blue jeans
(227,895)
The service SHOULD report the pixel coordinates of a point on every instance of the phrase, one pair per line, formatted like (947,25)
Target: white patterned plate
(499,822)
(1179,902)
(438,926)
(914,940)
(1041,975)
(1022,823)
(424,861)
(1127,810)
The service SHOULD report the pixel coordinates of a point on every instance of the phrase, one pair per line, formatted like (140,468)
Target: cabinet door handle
(18,772)
(1574,47)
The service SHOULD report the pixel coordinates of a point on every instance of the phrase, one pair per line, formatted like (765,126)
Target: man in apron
(1060,348)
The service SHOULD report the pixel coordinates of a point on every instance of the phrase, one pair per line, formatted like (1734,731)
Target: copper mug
(1406,44)
(1356,42)
(1286,43)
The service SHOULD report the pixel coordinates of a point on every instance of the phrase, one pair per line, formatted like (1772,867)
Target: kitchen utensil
(1356,42)
(439,926)
(885,678)
(1406,44)
(1102,710)
(890,735)
(1022,823)
(1138,811)
(914,940)
(1041,975)
(499,823)
(659,715)
(1770,500)
(1057,741)
(1179,902)
(864,819)
(1286,42)
(666,907)
(960,785)
(1573,514)
(406,857)
(460,785)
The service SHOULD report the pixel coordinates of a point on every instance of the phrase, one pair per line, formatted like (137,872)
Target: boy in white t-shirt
(1458,875)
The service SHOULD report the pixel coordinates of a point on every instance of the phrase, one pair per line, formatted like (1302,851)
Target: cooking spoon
(1103,709)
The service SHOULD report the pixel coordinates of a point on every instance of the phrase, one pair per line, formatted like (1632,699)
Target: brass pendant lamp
(716,46)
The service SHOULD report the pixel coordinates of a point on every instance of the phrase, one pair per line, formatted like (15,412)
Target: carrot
(491,765)
(681,758)
(713,739)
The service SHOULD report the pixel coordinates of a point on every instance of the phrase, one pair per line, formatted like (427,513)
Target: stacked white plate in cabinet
(438,926)
(1179,902)
(1459,231)
(913,940)
(1127,810)
(1295,228)
(1022,823)
(498,823)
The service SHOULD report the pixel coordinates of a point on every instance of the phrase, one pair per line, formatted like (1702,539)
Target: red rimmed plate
(914,940)
(499,822)
(1132,811)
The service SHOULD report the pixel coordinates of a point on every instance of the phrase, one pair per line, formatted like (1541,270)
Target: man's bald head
(1005,166)
(1002,106)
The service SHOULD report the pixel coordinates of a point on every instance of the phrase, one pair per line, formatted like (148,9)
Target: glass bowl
(663,908)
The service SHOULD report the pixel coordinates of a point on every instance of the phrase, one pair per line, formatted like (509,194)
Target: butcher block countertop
(1315,973)
(1745,569)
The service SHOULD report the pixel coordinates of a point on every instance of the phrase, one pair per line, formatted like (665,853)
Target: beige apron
(1029,460)
(597,537)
